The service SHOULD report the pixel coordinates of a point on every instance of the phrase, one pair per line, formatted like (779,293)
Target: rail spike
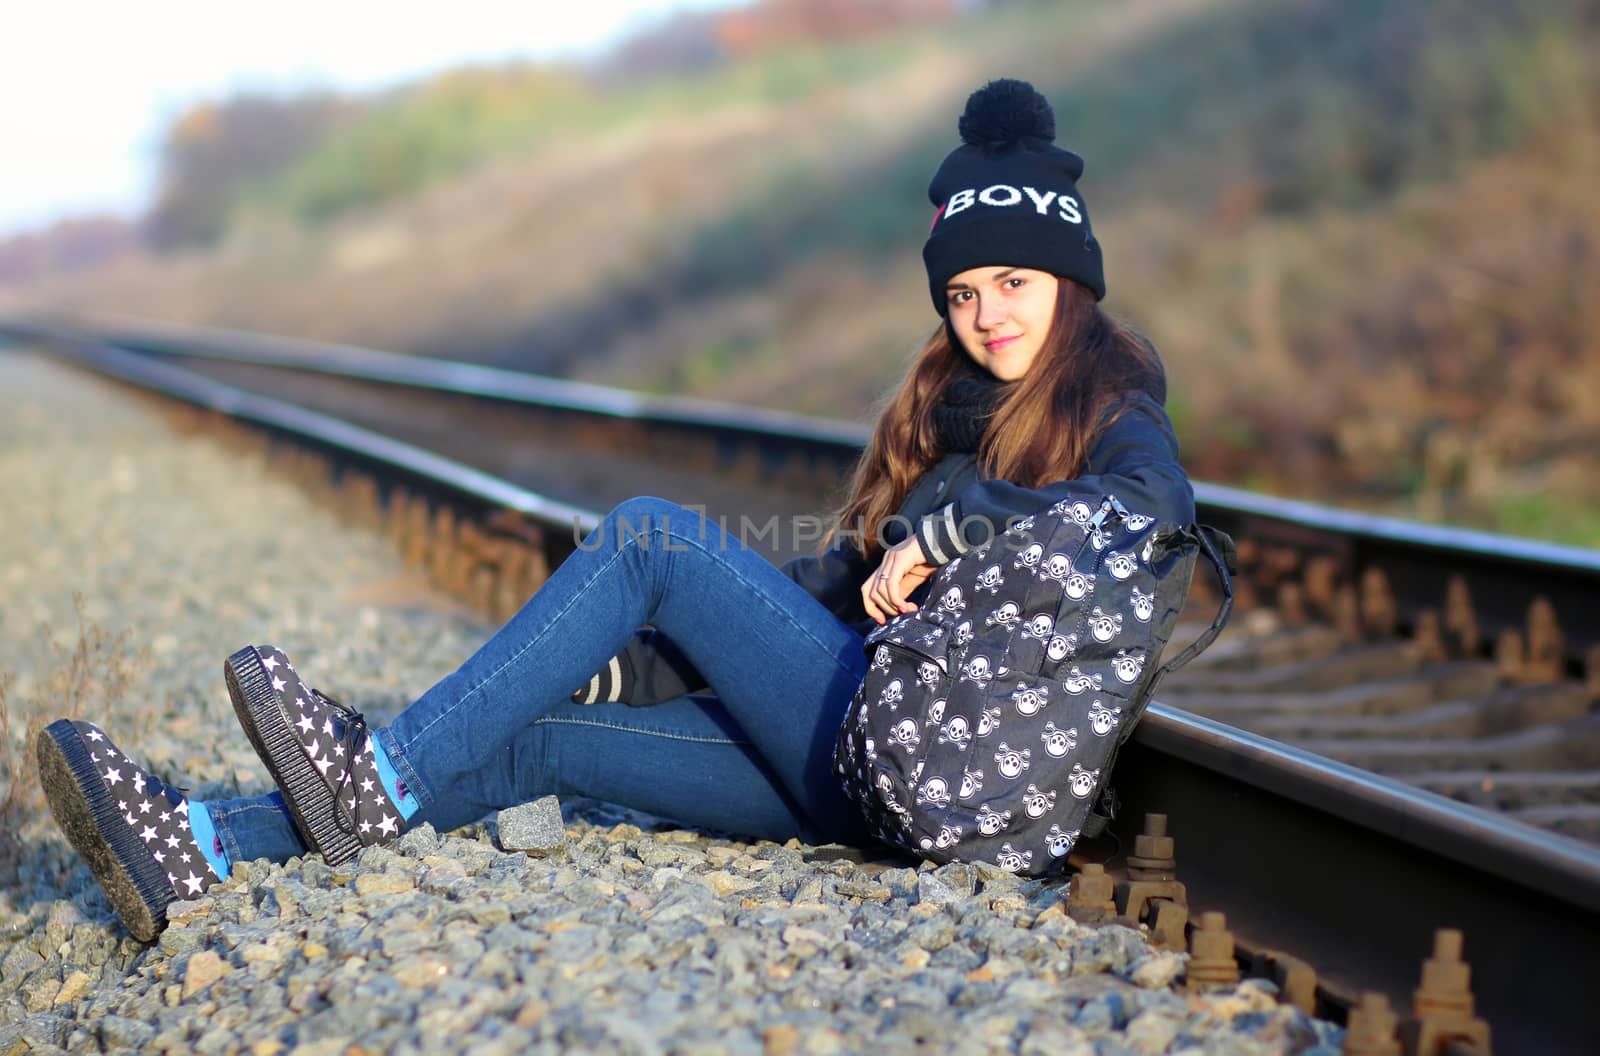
(1378,612)
(1370,1030)
(1212,964)
(1091,897)
(1442,1006)
(1460,619)
(1152,893)
(1546,660)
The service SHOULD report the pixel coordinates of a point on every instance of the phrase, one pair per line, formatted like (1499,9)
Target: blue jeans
(755,759)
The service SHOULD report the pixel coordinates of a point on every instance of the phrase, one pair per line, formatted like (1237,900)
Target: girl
(1027,393)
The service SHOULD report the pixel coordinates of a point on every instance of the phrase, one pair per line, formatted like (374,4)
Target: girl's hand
(903,570)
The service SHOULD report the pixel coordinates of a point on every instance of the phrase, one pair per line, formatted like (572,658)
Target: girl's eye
(959,296)
(1017,281)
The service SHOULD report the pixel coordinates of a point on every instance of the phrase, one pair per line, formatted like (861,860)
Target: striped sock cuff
(609,684)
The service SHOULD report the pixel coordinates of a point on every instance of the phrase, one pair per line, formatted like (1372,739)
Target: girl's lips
(999,343)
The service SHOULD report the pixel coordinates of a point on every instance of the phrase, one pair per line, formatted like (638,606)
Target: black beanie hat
(1008,195)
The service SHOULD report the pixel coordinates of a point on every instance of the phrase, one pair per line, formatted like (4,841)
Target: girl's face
(1002,315)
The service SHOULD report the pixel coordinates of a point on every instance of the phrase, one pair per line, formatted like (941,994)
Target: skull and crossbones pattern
(1060,843)
(963,635)
(989,580)
(1121,565)
(971,783)
(886,793)
(1038,803)
(1080,512)
(1104,625)
(1127,666)
(1061,646)
(952,603)
(988,722)
(1056,568)
(1102,720)
(957,732)
(991,821)
(1144,605)
(1082,781)
(1078,585)
(1005,615)
(1010,762)
(1039,626)
(1029,699)
(1058,742)
(934,792)
(1011,860)
(977,670)
(893,692)
(1077,682)
(907,733)
(1029,558)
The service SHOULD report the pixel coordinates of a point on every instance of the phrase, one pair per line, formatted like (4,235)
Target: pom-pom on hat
(1008,195)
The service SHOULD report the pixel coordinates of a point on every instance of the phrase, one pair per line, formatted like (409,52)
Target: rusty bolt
(1428,639)
(1211,960)
(1089,898)
(1370,1028)
(1460,619)
(1546,659)
(1322,583)
(1378,613)
(1292,604)
(1508,654)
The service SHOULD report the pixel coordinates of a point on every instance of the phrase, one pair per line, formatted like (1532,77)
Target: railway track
(1460,663)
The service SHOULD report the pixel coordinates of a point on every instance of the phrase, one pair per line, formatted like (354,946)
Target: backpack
(989,719)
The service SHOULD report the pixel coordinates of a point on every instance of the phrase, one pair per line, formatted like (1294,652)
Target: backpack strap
(1218,548)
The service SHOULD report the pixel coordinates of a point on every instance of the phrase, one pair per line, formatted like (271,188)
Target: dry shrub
(91,676)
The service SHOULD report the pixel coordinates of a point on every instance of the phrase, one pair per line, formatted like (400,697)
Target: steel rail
(1506,573)
(1344,869)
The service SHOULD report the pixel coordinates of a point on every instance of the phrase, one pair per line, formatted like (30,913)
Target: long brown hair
(1041,432)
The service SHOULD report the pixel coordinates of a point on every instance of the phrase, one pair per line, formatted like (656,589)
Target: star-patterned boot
(320,753)
(130,827)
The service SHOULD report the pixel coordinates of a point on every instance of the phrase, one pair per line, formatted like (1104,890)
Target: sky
(87,88)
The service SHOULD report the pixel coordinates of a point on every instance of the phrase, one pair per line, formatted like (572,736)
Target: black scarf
(969,401)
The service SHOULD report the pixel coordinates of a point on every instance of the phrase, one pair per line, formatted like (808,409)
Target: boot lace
(353,737)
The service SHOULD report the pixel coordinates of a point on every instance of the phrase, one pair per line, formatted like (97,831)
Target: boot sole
(310,801)
(134,883)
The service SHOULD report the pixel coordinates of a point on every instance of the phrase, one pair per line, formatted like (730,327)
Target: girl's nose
(991,313)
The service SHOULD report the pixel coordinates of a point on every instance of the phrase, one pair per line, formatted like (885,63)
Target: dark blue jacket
(951,509)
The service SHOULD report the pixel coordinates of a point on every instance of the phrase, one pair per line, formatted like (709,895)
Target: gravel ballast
(616,933)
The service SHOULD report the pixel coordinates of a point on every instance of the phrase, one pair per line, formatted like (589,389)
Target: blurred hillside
(1360,232)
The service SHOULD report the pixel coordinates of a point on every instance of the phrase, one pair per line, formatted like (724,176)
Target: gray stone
(122,1032)
(178,940)
(418,841)
(535,828)
(16,964)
